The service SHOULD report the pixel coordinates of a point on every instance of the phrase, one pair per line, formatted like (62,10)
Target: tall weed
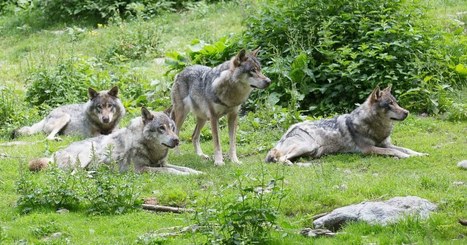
(249,216)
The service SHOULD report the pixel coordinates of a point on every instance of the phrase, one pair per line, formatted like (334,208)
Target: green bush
(104,10)
(247,218)
(140,41)
(68,82)
(329,54)
(97,192)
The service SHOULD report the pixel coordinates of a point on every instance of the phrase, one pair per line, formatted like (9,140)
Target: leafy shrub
(140,41)
(68,83)
(248,217)
(101,192)
(12,110)
(104,10)
(330,54)
(202,53)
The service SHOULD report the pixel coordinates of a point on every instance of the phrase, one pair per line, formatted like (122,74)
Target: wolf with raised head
(367,129)
(211,93)
(143,145)
(100,115)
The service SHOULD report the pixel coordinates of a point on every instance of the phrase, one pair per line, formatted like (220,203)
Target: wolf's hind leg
(35,128)
(289,150)
(56,123)
(200,122)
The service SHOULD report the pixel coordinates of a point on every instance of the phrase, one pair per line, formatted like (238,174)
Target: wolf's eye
(161,128)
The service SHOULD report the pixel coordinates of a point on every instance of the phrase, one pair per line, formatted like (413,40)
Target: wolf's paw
(219,163)
(235,160)
(204,156)
(420,154)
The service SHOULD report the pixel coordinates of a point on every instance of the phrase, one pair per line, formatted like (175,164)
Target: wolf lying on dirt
(367,129)
(211,93)
(99,116)
(144,143)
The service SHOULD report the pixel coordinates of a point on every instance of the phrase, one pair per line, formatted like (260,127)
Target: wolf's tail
(38,164)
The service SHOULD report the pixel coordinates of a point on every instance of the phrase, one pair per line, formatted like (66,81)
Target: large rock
(383,213)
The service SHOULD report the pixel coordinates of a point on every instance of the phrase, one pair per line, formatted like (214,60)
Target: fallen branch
(160,208)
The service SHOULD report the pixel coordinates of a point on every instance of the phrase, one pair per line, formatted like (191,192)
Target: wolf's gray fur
(100,115)
(211,93)
(144,144)
(367,129)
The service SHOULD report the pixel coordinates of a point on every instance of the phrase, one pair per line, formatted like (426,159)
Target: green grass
(331,181)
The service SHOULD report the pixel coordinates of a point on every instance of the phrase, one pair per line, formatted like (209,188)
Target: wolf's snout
(405,114)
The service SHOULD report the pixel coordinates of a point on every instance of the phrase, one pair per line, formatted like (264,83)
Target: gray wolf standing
(367,129)
(211,93)
(99,116)
(144,143)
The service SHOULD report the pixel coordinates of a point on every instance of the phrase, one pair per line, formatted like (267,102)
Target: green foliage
(330,54)
(202,53)
(105,10)
(249,217)
(69,82)
(98,192)
(12,110)
(141,41)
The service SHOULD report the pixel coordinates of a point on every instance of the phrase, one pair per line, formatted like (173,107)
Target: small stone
(462,164)
(63,211)
(458,183)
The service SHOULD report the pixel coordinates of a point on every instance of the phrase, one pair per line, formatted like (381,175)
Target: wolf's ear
(92,93)
(388,88)
(375,95)
(113,92)
(255,52)
(241,56)
(146,115)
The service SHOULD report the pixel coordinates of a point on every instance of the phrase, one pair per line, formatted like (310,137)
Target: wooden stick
(160,208)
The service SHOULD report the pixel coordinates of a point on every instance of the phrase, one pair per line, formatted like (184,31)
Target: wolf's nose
(105,120)
(176,141)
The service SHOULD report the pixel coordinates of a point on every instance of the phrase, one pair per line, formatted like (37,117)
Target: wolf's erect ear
(92,93)
(113,92)
(241,56)
(375,95)
(388,88)
(255,52)
(146,115)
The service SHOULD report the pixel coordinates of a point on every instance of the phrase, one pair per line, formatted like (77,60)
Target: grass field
(329,183)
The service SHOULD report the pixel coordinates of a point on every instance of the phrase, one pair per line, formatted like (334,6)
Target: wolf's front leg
(232,123)
(218,159)
(407,151)
(384,151)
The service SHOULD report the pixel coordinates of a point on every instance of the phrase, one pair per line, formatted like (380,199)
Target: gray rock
(462,164)
(382,213)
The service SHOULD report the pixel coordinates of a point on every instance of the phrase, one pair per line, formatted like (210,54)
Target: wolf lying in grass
(145,144)
(367,129)
(99,116)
